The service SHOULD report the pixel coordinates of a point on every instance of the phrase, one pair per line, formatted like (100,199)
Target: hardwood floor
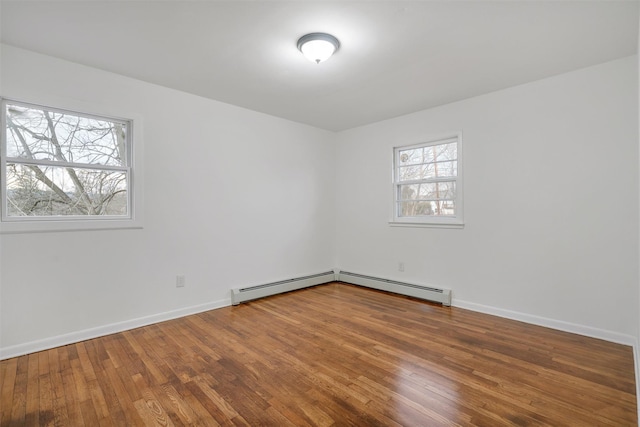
(330,355)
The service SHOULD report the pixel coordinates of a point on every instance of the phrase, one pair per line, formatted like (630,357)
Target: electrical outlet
(401,266)
(180,281)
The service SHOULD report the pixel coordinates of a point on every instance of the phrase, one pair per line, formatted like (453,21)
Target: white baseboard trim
(86,334)
(560,325)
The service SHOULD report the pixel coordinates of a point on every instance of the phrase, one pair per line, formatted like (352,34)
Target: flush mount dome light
(318,47)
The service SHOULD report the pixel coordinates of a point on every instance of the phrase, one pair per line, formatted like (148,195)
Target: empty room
(319,213)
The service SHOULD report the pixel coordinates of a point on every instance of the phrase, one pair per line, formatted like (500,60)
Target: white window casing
(63,168)
(427,184)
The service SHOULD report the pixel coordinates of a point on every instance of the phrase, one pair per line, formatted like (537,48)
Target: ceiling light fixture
(318,47)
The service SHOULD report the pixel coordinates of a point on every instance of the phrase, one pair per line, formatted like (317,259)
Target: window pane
(427,208)
(427,191)
(429,154)
(444,151)
(40,134)
(57,191)
(411,157)
(428,171)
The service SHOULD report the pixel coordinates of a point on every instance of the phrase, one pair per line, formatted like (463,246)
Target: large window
(62,166)
(427,185)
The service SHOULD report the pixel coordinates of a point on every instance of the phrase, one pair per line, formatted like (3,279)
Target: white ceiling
(396,57)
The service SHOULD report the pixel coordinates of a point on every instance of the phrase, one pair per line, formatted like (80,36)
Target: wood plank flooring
(334,354)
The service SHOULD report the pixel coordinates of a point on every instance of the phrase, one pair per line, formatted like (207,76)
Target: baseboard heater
(442,296)
(239,295)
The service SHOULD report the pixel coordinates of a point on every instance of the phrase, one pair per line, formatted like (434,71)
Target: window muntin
(62,165)
(427,183)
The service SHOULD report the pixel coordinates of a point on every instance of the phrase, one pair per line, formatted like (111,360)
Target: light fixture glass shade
(318,47)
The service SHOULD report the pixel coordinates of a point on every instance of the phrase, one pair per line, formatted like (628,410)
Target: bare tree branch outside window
(426,180)
(61,164)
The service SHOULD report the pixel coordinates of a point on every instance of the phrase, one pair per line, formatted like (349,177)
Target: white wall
(232,197)
(551,193)
(551,202)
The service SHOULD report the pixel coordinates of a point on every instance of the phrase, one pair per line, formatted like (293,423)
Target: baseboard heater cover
(442,296)
(239,295)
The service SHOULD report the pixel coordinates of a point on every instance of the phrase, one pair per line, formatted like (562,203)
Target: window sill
(16,227)
(426,225)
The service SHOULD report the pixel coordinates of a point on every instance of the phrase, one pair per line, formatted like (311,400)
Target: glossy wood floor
(330,355)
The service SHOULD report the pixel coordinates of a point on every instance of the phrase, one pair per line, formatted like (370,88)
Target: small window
(62,166)
(427,184)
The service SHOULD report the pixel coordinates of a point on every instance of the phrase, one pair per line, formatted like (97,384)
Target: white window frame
(27,224)
(453,221)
